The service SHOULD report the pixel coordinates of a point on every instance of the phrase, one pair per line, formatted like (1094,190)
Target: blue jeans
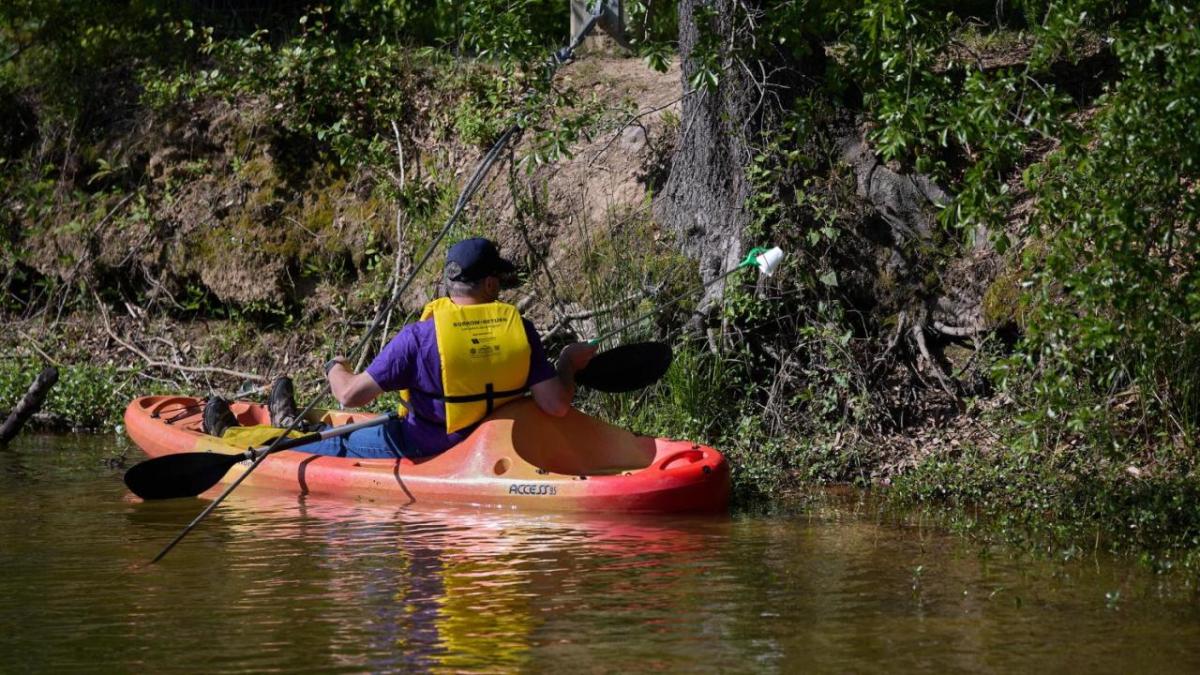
(388,440)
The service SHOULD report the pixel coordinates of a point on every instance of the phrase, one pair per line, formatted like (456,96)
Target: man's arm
(554,395)
(350,389)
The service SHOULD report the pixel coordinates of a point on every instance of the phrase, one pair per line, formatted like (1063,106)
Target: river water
(275,582)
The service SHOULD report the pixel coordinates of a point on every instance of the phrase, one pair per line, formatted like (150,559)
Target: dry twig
(625,125)
(155,363)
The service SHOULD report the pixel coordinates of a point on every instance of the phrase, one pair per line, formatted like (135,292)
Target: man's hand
(554,395)
(336,361)
(349,389)
(575,357)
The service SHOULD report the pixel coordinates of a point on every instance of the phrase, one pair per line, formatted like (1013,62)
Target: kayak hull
(517,458)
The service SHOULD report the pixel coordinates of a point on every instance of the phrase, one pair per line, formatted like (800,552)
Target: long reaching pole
(472,186)
(765,260)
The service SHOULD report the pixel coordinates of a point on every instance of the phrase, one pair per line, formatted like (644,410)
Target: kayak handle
(691,456)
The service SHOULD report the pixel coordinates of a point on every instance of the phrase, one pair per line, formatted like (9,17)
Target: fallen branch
(564,320)
(401,219)
(29,404)
(588,314)
(34,344)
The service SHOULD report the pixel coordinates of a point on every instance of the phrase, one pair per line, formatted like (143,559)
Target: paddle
(187,474)
(640,364)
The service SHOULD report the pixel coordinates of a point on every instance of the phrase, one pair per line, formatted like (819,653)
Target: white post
(612,24)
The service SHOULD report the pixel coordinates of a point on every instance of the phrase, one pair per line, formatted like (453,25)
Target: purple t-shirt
(411,361)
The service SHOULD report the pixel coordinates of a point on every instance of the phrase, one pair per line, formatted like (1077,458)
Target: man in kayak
(468,355)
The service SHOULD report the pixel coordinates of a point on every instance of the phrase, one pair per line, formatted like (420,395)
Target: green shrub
(1113,335)
(86,396)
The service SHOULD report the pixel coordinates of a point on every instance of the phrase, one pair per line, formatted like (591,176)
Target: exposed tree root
(932,364)
(957,331)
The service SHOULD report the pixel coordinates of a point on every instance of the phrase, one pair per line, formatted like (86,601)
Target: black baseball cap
(475,259)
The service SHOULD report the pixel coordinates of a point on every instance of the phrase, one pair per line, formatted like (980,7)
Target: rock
(633,139)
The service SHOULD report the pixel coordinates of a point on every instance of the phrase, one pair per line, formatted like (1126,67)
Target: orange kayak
(519,457)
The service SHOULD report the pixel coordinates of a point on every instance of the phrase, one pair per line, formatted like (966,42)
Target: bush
(1116,292)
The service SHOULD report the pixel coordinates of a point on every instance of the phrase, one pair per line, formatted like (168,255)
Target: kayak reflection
(458,588)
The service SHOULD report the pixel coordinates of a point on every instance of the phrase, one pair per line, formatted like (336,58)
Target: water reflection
(274,582)
(464,588)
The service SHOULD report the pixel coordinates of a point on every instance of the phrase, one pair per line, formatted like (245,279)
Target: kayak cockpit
(575,444)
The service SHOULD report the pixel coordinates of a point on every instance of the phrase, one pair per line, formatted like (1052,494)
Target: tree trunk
(891,267)
(704,198)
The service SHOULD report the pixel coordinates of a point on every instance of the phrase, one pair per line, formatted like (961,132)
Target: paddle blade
(184,475)
(627,367)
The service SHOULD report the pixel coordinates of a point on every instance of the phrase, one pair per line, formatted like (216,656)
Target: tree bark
(704,198)
(611,36)
(29,404)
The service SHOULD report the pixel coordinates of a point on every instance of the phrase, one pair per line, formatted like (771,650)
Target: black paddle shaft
(187,474)
(260,455)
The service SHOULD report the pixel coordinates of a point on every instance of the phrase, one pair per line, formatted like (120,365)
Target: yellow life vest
(485,358)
